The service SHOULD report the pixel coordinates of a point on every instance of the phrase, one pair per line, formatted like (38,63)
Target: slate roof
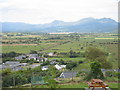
(34,65)
(20,57)
(114,70)
(53,62)
(68,74)
(13,67)
(12,62)
(6,66)
(32,55)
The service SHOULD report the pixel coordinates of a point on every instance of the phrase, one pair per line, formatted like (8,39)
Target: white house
(59,67)
(50,54)
(44,68)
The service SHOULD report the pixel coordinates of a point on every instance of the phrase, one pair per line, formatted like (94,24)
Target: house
(34,65)
(23,64)
(45,59)
(50,54)
(68,74)
(21,57)
(12,62)
(53,62)
(5,66)
(60,67)
(13,65)
(34,58)
(32,55)
(63,66)
(112,70)
(44,68)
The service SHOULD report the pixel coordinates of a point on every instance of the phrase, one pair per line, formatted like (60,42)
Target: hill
(86,25)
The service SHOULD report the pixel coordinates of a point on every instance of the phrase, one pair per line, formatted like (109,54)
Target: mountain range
(85,25)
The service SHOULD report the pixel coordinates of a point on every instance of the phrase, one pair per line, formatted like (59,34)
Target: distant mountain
(84,25)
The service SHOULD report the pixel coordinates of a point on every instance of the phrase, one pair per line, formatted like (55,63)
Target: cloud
(43,11)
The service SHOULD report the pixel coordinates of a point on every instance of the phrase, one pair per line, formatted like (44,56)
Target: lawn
(76,85)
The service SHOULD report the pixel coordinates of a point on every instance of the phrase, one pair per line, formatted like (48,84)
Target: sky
(46,11)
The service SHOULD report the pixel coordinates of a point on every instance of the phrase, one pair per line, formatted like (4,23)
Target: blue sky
(45,11)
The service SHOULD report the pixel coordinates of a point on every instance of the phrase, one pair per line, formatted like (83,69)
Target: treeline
(17,78)
(10,54)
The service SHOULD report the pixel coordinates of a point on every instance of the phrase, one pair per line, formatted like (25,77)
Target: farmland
(61,43)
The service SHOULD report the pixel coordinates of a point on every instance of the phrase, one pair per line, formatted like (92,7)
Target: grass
(68,59)
(113,85)
(78,85)
(24,48)
(74,45)
(82,66)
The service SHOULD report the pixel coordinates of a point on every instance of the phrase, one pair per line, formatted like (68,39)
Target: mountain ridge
(84,25)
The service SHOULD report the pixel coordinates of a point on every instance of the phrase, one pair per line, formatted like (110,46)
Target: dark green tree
(95,72)
(50,79)
(71,65)
(92,53)
(95,54)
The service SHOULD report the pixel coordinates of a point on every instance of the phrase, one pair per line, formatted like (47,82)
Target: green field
(24,48)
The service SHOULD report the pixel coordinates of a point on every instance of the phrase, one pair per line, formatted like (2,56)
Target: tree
(95,72)
(54,52)
(14,79)
(37,69)
(6,72)
(92,53)
(104,63)
(10,54)
(95,54)
(50,78)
